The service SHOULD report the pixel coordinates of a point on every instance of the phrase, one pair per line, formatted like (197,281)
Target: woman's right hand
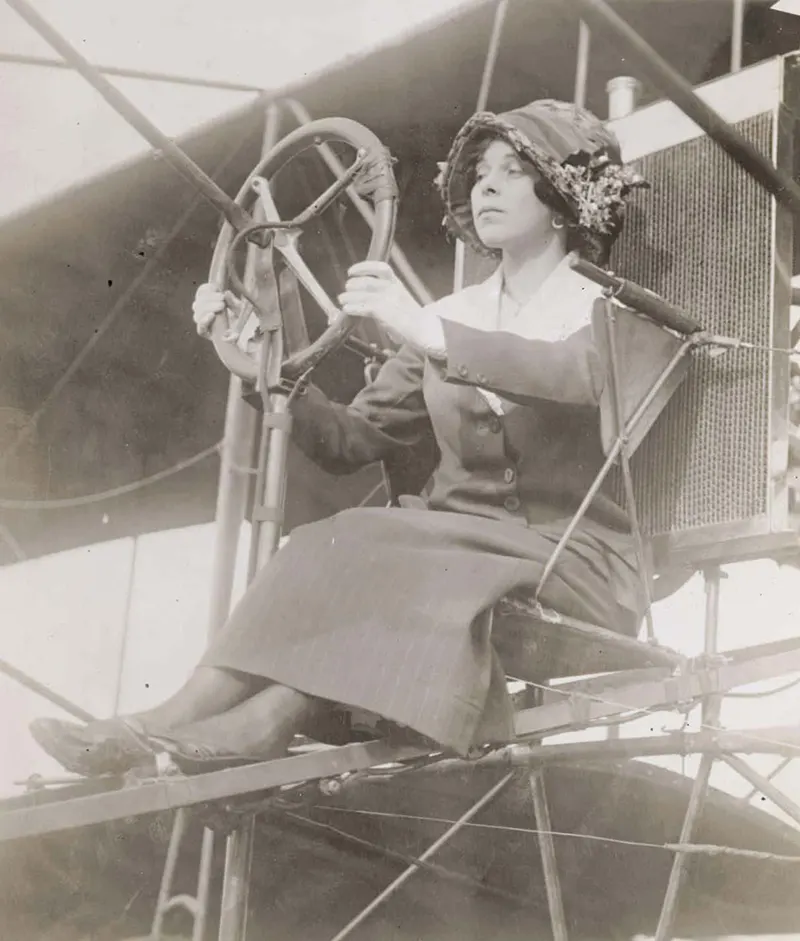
(209,303)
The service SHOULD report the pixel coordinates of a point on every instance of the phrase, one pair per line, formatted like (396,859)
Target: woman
(383,609)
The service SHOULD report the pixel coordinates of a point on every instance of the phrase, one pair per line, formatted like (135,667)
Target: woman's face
(506,211)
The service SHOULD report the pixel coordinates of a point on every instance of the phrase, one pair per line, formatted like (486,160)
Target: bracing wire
(571,835)
(105,325)
(89,498)
(651,711)
(766,693)
(409,860)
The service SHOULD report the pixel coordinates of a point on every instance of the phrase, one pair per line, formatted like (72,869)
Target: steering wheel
(370,175)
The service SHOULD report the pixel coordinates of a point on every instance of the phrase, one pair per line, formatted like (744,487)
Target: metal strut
(645,575)
(780,184)
(710,716)
(196,905)
(462,821)
(492,53)
(547,849)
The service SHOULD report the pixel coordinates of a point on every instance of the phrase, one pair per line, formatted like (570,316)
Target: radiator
(711,476)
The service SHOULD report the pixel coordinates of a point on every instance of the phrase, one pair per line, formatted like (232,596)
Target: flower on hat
(596,189)
(572,151)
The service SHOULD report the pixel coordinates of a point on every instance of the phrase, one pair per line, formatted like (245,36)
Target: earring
(558,222)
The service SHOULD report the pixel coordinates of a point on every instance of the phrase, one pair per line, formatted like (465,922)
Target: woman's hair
(591,246)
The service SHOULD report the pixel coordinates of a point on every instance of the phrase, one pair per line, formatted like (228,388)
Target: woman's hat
(574,152)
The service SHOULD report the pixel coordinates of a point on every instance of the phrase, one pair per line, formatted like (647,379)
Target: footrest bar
(171,793)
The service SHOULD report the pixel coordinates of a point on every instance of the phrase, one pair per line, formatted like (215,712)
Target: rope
(89,498)
(781,766)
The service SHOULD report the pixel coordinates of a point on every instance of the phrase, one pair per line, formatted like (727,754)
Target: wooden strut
(173,154)
(445,838)
(269,494)
(43,690)
(547,851)
(43,812)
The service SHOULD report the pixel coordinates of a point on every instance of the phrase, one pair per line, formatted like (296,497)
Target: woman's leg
(262,726)
(117,745)
(209,691)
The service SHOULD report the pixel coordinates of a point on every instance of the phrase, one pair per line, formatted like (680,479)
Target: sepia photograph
(400,470)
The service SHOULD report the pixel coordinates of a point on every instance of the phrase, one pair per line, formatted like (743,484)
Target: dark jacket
(531,459)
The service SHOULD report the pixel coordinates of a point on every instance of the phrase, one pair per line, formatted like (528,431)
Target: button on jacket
(543,451)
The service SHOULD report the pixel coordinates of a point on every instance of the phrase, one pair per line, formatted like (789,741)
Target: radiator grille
(702,237)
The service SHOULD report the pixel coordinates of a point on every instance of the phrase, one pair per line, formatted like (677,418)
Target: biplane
(698,444)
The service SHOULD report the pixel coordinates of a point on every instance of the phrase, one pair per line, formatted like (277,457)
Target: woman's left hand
(374,290)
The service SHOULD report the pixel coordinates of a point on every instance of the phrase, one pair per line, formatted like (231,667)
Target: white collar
(560,307)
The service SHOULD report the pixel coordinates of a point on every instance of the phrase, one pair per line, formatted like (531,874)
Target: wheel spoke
(294,321)
(302,272)
(286,243)
(339,185)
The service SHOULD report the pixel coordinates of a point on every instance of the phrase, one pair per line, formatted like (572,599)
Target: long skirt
(381,610)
